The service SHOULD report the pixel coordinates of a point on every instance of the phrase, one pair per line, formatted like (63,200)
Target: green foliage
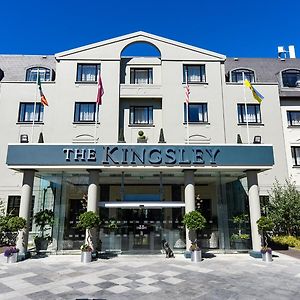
(44,218)
(240,219)
(88,220)
(15,224)
(112,224)
(287,240)
(284,208)
(242,236)
(194,220)
(265,224)
(3,223)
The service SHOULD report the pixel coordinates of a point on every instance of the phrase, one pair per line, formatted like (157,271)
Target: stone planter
(86,257)
(267,257)
(12,258)
(196,256)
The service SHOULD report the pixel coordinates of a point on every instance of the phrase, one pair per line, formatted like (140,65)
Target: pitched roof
(14,66)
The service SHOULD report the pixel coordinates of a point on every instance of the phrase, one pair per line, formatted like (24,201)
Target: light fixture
(23,138)
(257,139)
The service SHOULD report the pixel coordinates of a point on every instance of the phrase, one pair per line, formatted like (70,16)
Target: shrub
(15,224)
(287,240)
(194,220)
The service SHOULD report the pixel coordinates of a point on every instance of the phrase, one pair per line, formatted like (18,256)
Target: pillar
(254,207)
(189,199)
(25,205)
(92,202)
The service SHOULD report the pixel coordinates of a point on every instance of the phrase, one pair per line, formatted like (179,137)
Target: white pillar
(92,203)
(254,207)
(189,198)
(25,204)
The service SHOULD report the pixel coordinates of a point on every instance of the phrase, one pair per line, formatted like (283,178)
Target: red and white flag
(187,93)
(100,90)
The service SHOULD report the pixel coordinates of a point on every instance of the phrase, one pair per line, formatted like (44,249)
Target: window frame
(296,162)
(48,72)
(79,72)
(78,104)
(133,76)
(132,115)
(290,71)
(289,117)
(204,113)
(241,110)
(233,73)
(39,110)
(202,73)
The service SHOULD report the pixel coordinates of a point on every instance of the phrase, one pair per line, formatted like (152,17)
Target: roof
(14,66)
(266,69)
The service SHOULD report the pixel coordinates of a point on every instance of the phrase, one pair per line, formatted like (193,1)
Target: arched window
(44,74)
(238,75)
(291,78)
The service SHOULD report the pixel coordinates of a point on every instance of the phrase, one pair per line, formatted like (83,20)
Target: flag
(100,90)
(43,98)
(187,93)
(256,94)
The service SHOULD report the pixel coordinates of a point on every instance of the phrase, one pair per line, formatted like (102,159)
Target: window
(85,112)
(237,75)
(291,78)
(13,207)
(197,113)
(293,118)
(26,112)
(87,72)
(141,76)
(194,73)
(296,156)
(44,74)
(253,113)
(141,115)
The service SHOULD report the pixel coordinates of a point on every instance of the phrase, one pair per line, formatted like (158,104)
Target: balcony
(138,91)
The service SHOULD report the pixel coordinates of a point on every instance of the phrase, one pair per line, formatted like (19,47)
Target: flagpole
(246,110)
(96,119)
(187,108)
(34,106)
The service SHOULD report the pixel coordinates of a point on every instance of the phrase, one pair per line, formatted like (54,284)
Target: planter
(241,244)
(267,257)
(41,244)
(86,257)
(196,256)
(12,258)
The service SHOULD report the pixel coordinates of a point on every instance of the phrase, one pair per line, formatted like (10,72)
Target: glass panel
(85,112)
(294,118)
(291,78)
(197,112)
(87,72)
(237,75)
(44,74)
(141,115)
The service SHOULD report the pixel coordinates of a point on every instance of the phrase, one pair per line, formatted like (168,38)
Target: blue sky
(234,28)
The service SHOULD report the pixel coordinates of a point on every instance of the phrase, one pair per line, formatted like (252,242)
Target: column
(254,207)
(92,202)
(189,198)
(25,205)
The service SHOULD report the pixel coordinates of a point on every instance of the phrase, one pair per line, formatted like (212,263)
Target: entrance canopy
(43,157)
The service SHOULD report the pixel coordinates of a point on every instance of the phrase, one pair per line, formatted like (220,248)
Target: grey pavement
(224,276)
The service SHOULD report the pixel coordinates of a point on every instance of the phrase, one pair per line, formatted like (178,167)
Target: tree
(284,207)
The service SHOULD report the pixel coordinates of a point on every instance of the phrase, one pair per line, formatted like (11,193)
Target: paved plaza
(230,276)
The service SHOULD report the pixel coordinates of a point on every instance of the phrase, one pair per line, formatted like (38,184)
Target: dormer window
(240,74)
(291,78)
(44,74)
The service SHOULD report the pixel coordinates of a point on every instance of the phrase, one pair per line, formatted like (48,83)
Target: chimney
(292,51)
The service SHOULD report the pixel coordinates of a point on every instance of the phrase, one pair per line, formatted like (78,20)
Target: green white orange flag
(43,98)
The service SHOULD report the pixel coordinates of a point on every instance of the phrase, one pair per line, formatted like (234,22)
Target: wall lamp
(257,139)
(23,138)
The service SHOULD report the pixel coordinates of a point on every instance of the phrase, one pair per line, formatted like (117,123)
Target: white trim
(139,204)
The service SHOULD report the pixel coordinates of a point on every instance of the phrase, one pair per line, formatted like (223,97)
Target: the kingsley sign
(117,155)
(122,155)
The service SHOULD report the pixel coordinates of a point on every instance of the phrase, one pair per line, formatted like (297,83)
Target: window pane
(296,155)
(87,72)
(27,111)
(44,74)
(291,78)
(194,73)
(293,118)
(237,75)
(253,113)
(85,112)
(141,115)
(141,76)
(197,112)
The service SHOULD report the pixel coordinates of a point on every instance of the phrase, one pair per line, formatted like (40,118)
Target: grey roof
(266,69)
(14,66)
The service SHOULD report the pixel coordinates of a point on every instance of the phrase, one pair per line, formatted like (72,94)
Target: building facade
(135,159)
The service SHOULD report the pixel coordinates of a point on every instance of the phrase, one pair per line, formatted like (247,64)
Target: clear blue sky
(234,28)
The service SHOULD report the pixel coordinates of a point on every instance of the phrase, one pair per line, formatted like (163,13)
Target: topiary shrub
(194,220)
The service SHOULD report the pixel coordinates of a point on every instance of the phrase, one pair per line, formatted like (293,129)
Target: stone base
(255,254)
(187,254)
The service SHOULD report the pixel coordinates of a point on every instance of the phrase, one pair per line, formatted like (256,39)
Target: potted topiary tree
(44,219)
(240,240)
(141,137)
(194,221)
(88,220)
(265,225)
